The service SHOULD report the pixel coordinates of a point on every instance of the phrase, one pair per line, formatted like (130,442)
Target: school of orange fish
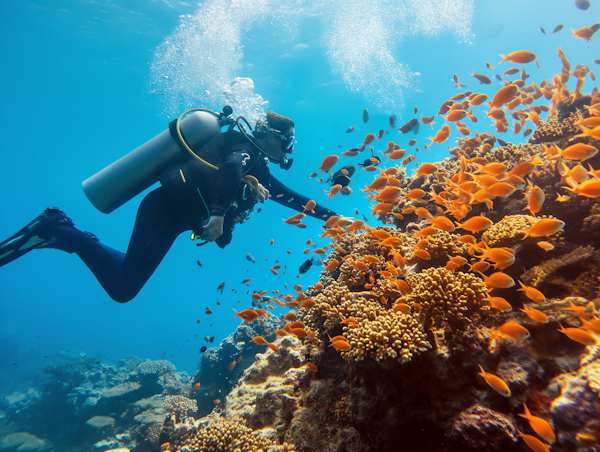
(478,181)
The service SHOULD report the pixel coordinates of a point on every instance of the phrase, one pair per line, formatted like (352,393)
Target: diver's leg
(157,225)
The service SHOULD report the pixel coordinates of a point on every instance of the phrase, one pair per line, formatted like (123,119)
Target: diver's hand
(261,194)
(213,229)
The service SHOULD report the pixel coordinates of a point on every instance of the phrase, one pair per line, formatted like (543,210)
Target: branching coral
(553,130)
(220,435)
(444,296)
(442,245)
(389,335)
(537,275)
(181,405)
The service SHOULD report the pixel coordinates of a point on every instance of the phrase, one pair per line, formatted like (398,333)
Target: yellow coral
(389,335)
(444,296)
(220,435)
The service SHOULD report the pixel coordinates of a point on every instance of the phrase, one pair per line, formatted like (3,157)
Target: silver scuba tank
(120,181)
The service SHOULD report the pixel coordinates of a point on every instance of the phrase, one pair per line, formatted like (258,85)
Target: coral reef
(215,434)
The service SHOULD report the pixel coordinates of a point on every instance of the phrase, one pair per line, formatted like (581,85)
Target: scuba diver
(208,194)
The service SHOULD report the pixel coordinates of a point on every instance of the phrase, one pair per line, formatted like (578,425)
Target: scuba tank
(120,181)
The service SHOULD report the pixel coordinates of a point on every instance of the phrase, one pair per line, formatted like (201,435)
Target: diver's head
(276,136)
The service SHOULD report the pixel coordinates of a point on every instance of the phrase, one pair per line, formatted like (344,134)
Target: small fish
(212,339)
(312,367)
(534,444)
(208,311)
(542,30)
(407,127)
(328,163)
(199,264)
(221,287)
(578,335)
(532,293)
(535,314)
(306,266)
(250,258)
(496,383)
(514,330)
(557,28)
(392,119)
(313,174)
(483,79)
(203,349)
(350,130)
(365,116)
(499,303)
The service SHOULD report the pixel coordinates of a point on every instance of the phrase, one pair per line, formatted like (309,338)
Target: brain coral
(444,296)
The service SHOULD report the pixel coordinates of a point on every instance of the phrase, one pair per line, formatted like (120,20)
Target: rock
(575,409)
(480,428)
(101,422)
(264,395)
(22,442)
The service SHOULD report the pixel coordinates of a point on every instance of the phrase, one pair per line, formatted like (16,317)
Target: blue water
(83,82)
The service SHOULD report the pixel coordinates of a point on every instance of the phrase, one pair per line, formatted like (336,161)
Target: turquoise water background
(84,82)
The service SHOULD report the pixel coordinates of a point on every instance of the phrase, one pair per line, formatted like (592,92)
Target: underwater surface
(460,283)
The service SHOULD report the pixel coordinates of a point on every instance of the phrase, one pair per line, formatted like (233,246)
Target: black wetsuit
(180,206)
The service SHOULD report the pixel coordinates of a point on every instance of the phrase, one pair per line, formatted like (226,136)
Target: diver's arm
(298,200)
(228,179)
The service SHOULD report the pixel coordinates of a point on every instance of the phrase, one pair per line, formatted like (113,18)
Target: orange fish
(290,317)
(589,189)
(578,151)
(415,193)
(341,345)
(259,340)
(546,246)
(442,135)
(546,226)
(478,99)
(496,383)
(540,426)
(498,280)
(535,314)
(307,304)
(197,385)
(388,194)
(534,444)
(422,254)
(232,365)
(584,33)
(476,224)
(578,335)
(329,161)
(515,331)
(310,205)
(273,347)
(426,169)
(334,191)
(312,367)
(499,303)
(520,57)
(532,293)
(504,95)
